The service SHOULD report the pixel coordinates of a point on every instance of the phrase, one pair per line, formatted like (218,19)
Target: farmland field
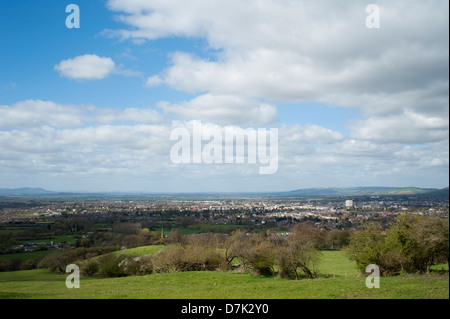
(140,251)
(338,279)
(28,255)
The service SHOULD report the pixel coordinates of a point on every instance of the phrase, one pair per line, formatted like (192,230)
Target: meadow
(338,279)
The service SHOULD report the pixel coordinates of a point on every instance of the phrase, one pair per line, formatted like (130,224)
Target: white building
(349,203)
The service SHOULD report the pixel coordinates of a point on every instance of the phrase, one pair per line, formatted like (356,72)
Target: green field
(144,250)
(28,255)
(338,280)
(199,229)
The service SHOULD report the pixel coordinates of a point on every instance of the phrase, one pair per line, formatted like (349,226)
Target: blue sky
(38,27)
(91,109)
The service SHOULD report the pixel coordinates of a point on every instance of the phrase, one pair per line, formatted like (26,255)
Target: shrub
(366,247)
(90,267)
(109,265)
(11,264)
(412,244)
(29,264)
(169,260)
(261,259)
(137,266)
(59,260)
(190,258)
(298,253)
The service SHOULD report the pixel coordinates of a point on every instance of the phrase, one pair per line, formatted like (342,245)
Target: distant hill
(25,191)
(362,191)
(432,193)
(440,193)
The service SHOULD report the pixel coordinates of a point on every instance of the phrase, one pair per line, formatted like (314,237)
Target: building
(349,203)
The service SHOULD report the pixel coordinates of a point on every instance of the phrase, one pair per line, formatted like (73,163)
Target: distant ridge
(376,190)
(25,191)
(440,193)
(306,192)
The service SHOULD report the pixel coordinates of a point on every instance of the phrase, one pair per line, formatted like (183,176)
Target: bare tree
(299,252)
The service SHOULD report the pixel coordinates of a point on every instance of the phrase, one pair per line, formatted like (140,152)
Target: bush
(109,265)
(261,259)
(391,262)
(191,258)
(59,260)
(137,266)
(286,265)
(90,267)
(296,258)
(200,258)
(299,253)
(29,264)
(169,260)
(366,247)
(11,264)
(412,244)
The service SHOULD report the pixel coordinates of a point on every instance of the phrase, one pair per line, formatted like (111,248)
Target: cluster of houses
(30,247)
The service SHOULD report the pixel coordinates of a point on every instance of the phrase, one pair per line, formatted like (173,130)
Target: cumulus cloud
(101,152)
(86,67)
(153,81)
(406,128)
(132,115)
(297,50)
(321,51)
(38,113)
(262,53)
(33,113)
(224,110)
(80,144)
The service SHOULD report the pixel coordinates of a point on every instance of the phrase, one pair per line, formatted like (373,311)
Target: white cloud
(264,53)
(224,110)
(407,128)
(38,113)
(86,67)
(319,51)
(300,52)
(297,50)
(153,81)
(35,113)
(101,153)
(133,115)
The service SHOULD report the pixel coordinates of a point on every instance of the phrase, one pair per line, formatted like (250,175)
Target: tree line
(291,256)
(412,244)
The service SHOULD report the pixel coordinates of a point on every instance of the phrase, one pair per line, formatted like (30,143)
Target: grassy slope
(43,284)
(144,250)
(28,255)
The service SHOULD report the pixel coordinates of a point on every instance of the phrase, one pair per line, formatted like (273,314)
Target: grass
(42,284)
(198,229)
(28,255)
(144,250)
(335,263)
(47,238)
(217,285)
(7,231)
(138,251)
